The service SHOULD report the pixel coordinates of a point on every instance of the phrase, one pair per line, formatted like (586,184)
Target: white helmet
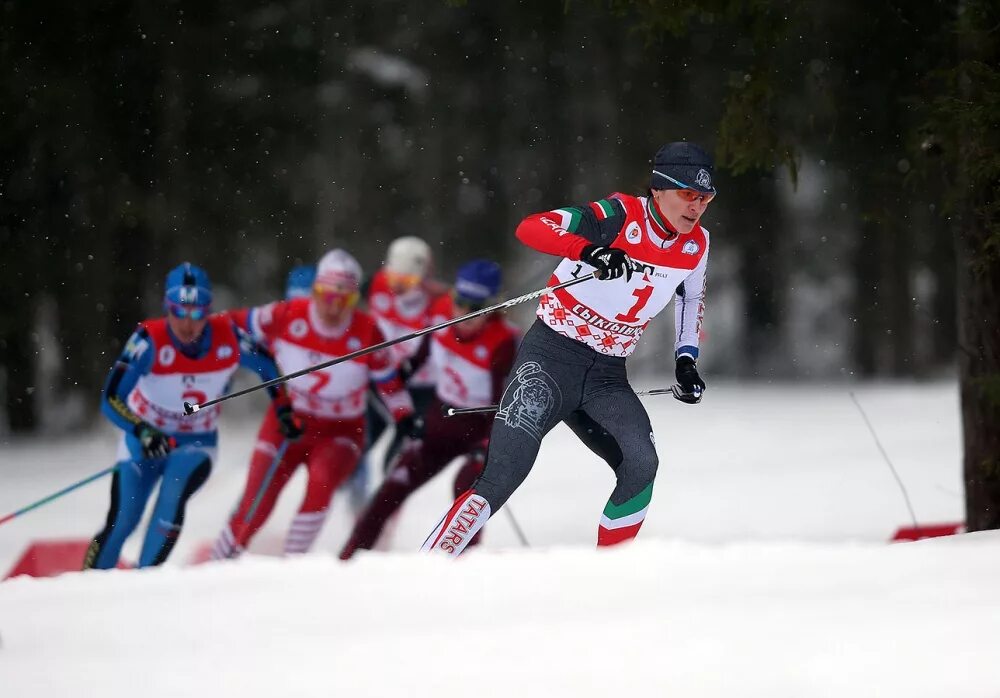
(408,256)
(339,269)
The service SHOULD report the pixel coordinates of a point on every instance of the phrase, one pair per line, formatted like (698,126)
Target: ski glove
(155,444)
(289,424)
(690,386)
(610,262)
(411,426)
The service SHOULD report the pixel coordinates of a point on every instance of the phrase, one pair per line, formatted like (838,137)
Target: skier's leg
(330,462)
(242,526)
(615,425)
(131,485)
(186,470)
(412,469)
(546,384)
(595,437)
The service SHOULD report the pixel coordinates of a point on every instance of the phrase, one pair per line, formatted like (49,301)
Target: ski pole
(885,456)
(279,454)
(191,408)
(453,411)
(517,527)
(60,493)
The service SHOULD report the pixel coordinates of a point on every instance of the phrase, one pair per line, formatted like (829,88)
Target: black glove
(406,370)
(411,426)
(289,423)
(155,444)
(610,262)
(690,386)
(409,434)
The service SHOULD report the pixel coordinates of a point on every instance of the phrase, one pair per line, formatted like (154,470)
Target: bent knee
(640,467)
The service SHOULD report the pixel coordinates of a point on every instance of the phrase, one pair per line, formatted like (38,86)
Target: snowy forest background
(855,234)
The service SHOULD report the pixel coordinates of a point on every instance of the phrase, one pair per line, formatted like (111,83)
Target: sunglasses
(333,294)
(687,192)
(195,312)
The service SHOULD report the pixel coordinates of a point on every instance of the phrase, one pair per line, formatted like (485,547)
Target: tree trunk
(979,373)
(977,240)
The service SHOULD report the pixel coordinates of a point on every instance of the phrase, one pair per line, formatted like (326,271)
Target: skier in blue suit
(188,355)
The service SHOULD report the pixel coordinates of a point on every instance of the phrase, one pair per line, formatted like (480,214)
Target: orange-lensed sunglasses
(687,192)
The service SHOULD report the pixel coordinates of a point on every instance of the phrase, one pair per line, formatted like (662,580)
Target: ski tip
(191,409)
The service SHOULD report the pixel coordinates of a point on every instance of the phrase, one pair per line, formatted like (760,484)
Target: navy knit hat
(477,281)
(682,165)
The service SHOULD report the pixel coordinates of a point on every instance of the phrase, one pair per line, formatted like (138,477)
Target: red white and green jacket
(610,316)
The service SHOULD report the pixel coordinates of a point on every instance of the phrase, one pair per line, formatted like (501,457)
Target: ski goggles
(397,280)
(686,191)
(331,295)
(195,312)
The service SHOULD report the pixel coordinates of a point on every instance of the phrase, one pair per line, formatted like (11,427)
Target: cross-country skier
(299,284)
(471,361)
(400,296)
(187,356)
(329,404)
(571,366)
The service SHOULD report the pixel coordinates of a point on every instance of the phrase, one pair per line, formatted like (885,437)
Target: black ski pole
(191,408)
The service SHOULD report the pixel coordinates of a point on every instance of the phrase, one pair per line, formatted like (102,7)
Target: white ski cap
(338,268)
(409,256)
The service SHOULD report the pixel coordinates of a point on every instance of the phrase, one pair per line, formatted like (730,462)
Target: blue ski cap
(477,281)
(188,285)
(682,165)
(300,281)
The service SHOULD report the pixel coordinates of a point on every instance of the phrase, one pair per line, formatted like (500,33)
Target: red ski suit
(331,405)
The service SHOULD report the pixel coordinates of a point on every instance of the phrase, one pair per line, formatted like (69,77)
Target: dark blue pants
(180,474)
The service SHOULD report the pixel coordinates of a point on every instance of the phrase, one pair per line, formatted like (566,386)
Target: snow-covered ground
(659,619)
(762,570)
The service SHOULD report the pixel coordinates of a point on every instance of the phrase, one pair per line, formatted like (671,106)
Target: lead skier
(571,365)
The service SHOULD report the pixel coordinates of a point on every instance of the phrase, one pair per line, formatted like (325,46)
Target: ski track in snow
(761,570)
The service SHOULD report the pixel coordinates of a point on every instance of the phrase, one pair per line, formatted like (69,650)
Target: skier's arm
(135,361)
(383,369)
(241,317)
(411,365)
(689,309)
(255,357)
(262,322)
(565,232)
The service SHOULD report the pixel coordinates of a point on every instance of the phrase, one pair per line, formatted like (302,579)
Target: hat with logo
(682,165)
(188,285)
